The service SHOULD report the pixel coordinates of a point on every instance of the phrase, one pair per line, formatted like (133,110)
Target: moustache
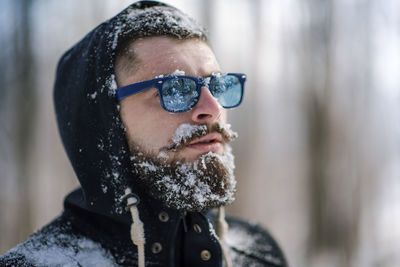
(186,133)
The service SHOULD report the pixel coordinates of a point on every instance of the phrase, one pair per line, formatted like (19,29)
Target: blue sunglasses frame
(157,83)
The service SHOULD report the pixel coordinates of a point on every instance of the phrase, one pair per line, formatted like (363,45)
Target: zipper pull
(183,217)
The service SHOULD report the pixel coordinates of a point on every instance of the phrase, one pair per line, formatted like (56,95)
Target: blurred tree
(18,73)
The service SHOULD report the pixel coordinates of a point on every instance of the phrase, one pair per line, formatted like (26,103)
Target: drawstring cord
(137,228)
(222,230)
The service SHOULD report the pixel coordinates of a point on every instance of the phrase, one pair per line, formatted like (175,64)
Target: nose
(207,108)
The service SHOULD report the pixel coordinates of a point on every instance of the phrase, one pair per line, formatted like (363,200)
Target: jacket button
(163,216)
(156,248)
(205,255)
(197,228)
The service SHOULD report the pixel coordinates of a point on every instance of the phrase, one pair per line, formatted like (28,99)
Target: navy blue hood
(87,111)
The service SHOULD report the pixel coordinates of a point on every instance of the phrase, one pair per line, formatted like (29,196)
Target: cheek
(224,116)
(152,129)
(166,127)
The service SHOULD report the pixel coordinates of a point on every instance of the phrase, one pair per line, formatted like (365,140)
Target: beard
(205,183)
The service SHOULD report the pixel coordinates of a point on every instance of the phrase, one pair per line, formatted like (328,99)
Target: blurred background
(318,154)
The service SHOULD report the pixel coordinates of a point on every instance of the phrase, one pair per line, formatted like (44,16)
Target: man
(141,107)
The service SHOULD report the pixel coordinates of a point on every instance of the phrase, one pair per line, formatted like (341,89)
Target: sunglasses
(181,93)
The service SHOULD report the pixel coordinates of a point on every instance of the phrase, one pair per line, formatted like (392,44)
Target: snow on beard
(205,183)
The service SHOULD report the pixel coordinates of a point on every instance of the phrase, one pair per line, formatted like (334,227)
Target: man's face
(183,159)
(146,122)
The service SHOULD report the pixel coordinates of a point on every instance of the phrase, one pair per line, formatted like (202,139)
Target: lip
(214,143)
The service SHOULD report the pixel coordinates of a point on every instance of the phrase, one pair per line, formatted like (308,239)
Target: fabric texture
(94,227)
(83,238)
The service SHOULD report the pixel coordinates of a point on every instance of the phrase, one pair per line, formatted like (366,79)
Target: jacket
(94,229)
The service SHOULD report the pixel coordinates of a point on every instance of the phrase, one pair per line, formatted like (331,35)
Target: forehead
(164,55)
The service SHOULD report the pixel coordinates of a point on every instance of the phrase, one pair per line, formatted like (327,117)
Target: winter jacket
(80,237)
(94,229)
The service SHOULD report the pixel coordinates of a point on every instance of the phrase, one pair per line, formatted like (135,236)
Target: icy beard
(207,182)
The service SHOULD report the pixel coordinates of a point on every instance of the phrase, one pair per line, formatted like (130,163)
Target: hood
(88,113)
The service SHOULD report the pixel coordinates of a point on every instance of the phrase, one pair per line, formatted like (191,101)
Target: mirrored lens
(227,89)
(179,94)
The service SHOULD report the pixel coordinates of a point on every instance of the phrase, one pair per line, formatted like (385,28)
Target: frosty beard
(207,182)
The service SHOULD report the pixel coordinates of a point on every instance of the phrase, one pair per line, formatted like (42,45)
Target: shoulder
(252,245)
(57,244)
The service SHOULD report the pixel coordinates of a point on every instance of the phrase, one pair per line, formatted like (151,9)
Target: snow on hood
(87,111)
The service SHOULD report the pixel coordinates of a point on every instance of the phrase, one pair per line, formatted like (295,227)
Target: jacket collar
(173,237)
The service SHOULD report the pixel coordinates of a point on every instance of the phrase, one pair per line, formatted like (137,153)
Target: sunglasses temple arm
(135,88)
